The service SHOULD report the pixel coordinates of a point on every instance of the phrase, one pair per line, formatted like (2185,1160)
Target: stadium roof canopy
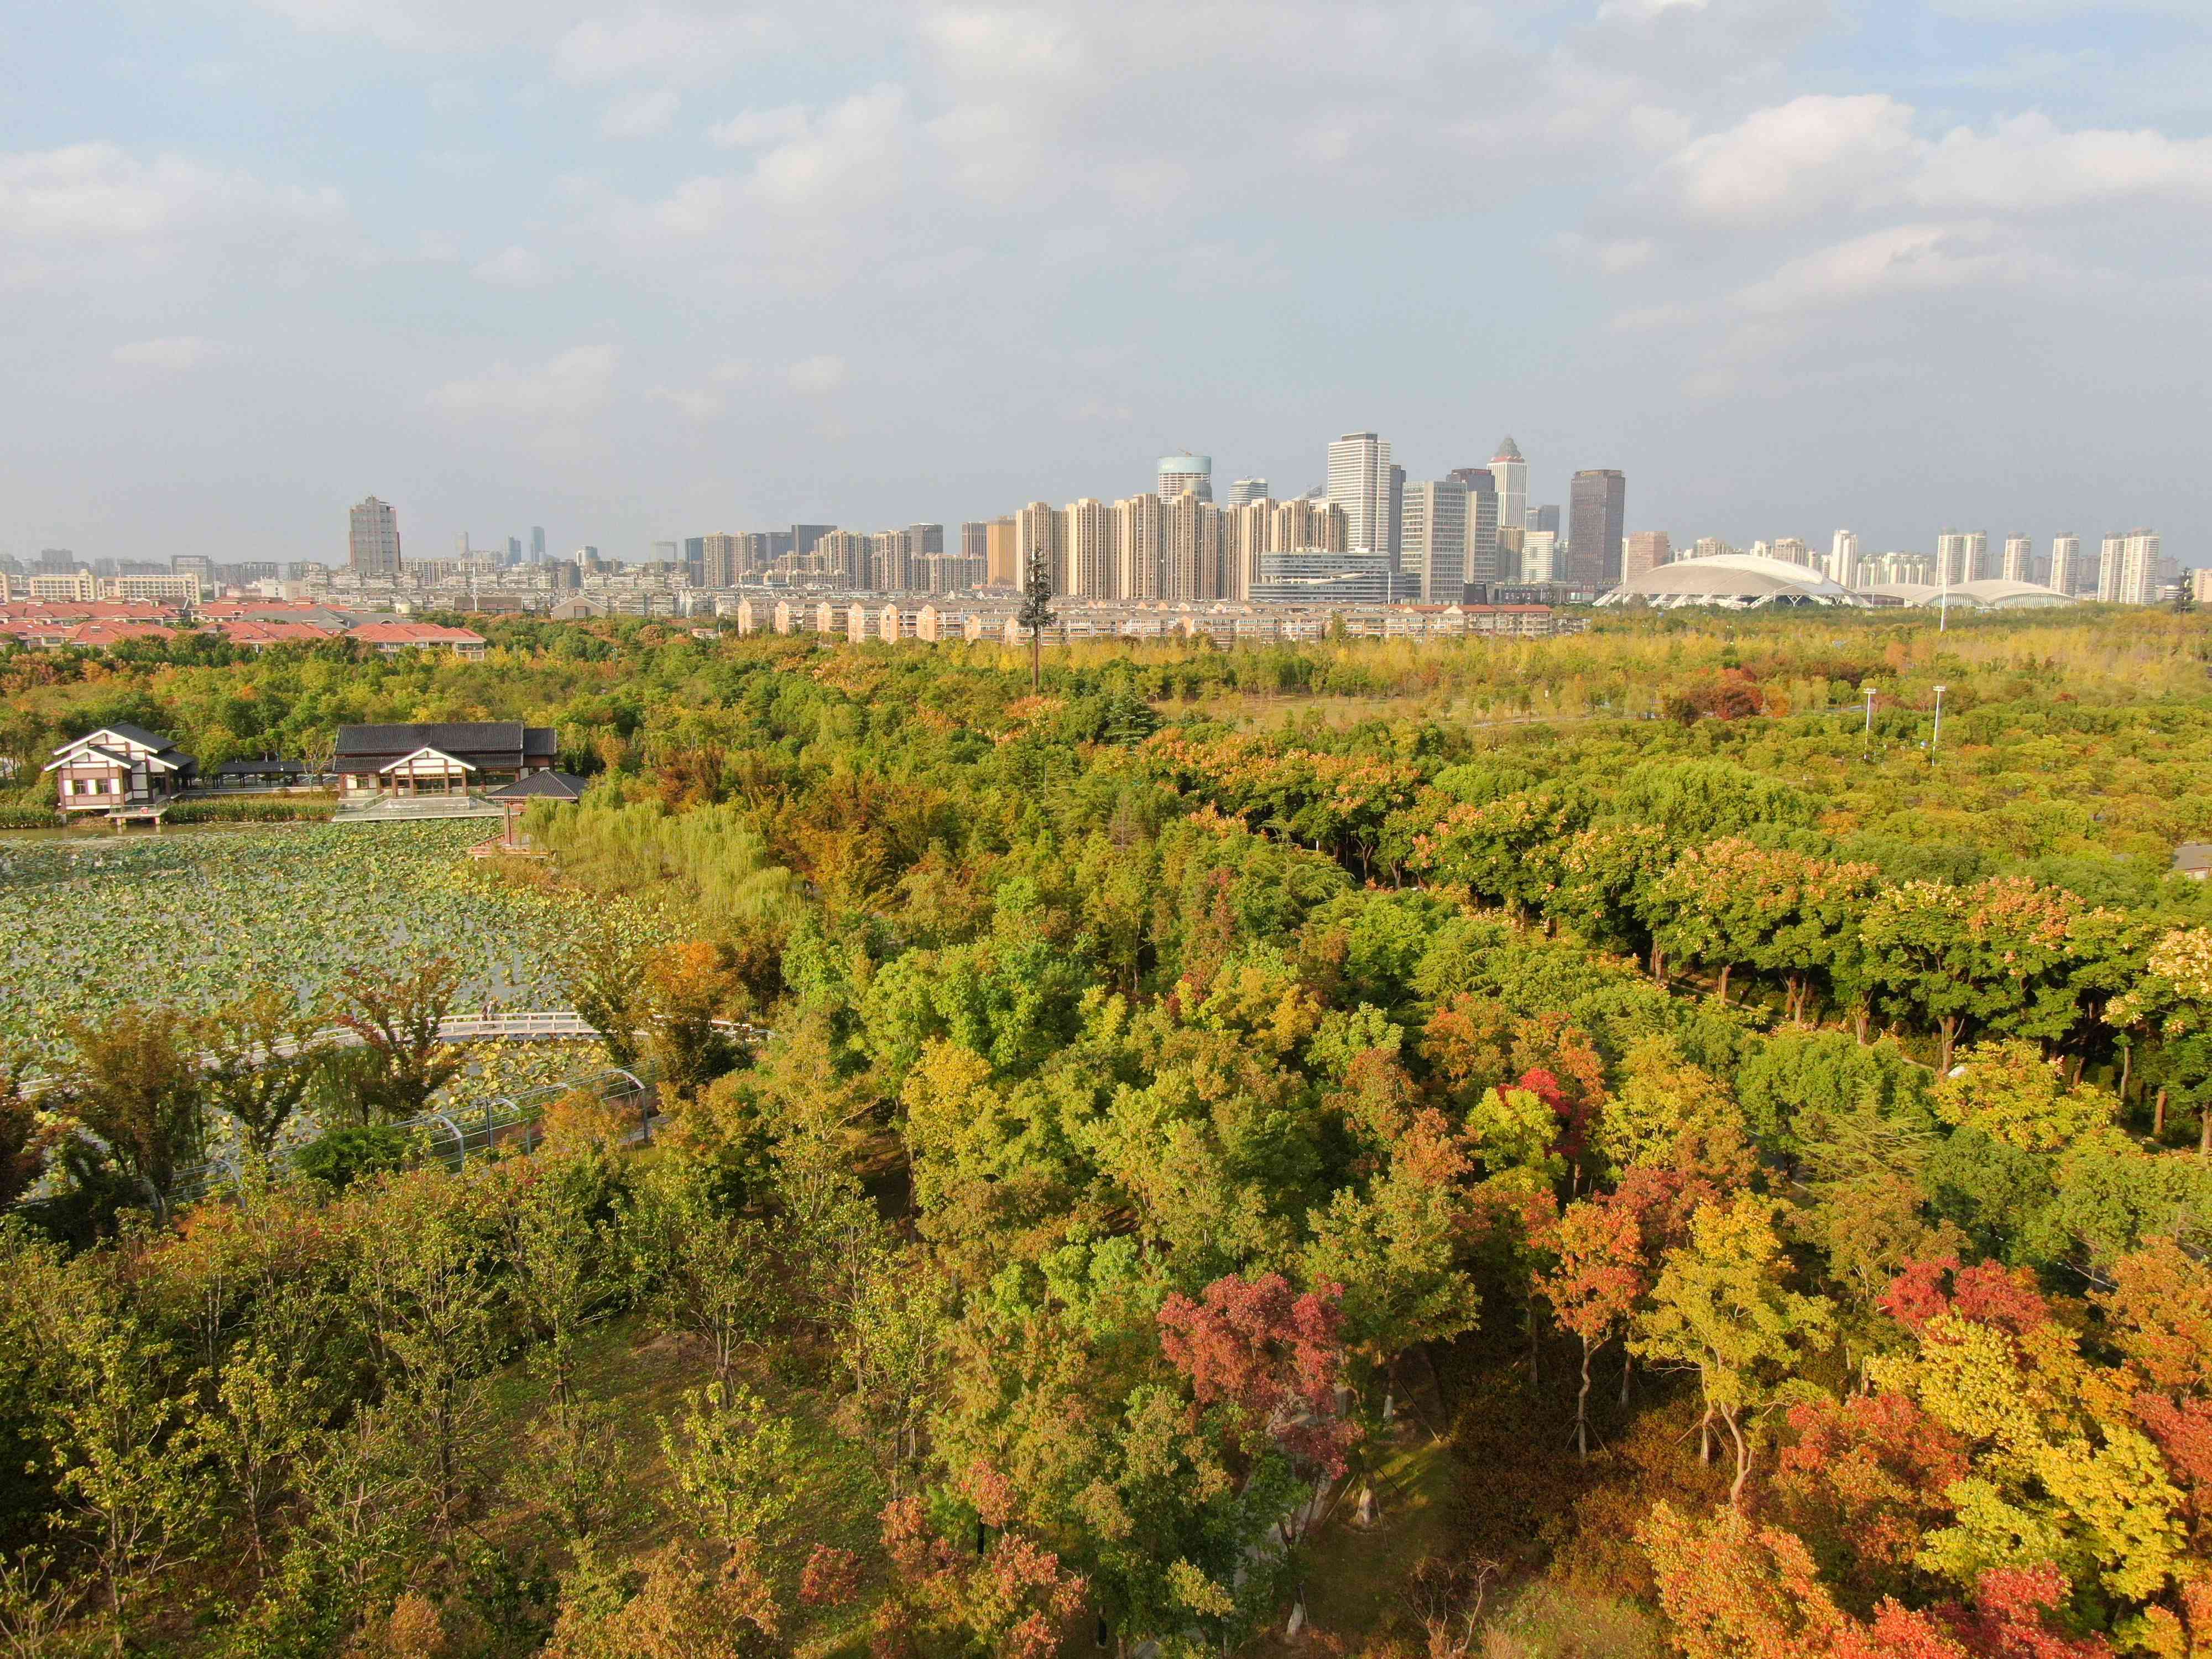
(1993,593)
(1736,581)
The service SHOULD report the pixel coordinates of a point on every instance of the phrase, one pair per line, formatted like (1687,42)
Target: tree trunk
(1581,1408)
(1949,1029)
(2127,1063)
(1743,1459)
(1727,969)
(1627,1361)
(2204,1133)
(2158,1117)
(1705,1437)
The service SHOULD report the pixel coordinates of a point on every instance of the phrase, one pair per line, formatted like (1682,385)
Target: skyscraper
(1544,517)
(975,541)
(538,543)
(1246,490)
(2019,558)
(1394,519)
(805,538)
(925,540)
(373,540)
(1092,563)
(1432,548)
(1482,525)
(1359,483)
(1511,473)
(2065,564)
(1844,559)
(1979,562)
(1597,502)
(1644,552)
(1306,524)
(1187,474)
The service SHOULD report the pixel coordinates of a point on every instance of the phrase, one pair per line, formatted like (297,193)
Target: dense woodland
(1584,1147)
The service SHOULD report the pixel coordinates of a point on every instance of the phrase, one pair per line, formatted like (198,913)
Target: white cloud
(2027,164)
(643,115)
(850,151)
(816,377)
(572,384)
(678,45)
(758,126)
(694,405)
(512,267)
(1901,259)
(176,352)
(1798,157)
(97,208)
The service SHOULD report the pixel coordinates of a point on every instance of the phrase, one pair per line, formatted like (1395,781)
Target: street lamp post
(1866,744)
(1936,742)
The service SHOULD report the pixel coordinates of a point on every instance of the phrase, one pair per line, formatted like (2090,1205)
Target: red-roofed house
(259,633)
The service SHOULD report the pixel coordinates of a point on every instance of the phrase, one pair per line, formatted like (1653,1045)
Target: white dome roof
(1739,580)
(1992,593)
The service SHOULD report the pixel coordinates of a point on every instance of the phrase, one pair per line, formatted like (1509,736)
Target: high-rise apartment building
(805,538)
(976,540)
(1394,520)
(2108,569)
(1139,531)
(1002,560)
(373,539)
(1955,557)
(1037,528)
(1597,504)
(1247,490)
(1093,563)
(927,540)
(1307,523)
(1359,484)
(1246,533)
(2141,557)
(1844,558)
(1977,556)
(1481,521)
(2019,558)
(1187,474)
(1190,551)
(538,543)
(2065,564)
(1791,550)
(720,562)
(1432,552)
(1644,552)
(1511,473)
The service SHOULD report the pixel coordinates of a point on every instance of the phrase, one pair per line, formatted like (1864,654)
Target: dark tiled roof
(152,740)
(247,769)
(495,744)
(547,786)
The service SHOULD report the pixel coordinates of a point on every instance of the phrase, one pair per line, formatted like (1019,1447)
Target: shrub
(342,1156)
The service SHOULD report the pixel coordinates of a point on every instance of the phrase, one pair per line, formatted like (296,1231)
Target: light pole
(1866,744)
(1936,742)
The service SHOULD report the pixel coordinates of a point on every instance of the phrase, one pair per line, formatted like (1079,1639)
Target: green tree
(1723,1308)
(262,1051)
(397,1017)
(140,1089)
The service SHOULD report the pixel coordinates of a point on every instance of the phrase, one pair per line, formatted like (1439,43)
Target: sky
(638,271)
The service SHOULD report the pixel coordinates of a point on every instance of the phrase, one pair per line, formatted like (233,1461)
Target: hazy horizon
(638,272)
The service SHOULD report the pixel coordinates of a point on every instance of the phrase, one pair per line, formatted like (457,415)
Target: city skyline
(622,269)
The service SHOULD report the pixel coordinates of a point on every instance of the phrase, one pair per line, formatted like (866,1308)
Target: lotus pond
(192,918)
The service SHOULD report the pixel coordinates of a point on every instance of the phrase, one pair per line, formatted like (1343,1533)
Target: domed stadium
(1735,581)
(1993,593)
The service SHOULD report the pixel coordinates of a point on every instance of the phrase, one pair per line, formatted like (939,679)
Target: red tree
(1273,1356)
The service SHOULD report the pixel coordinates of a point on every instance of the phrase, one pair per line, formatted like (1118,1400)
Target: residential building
(2019,559)
(1140,536)
(390,638)
(890,562)
(1002,557)
(373,539)
(1844,559)
(805,538)
(1359,485)
(840,556)
(75,585)
(1246,531)
(119,766)
(1187,474)
(182,585)
(1038,529)
(976,545)
(1433,553)
(2140,572)
(1791,550)
(439,758)
(2108,569)
(1977,556)
(2065,564)
(1482,522)
(538,543)
(1597,501)
(1644,552)
(1511,474)
(925,540)
(1190,549)
(1307,522)
(1093,567)
(1247,490)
